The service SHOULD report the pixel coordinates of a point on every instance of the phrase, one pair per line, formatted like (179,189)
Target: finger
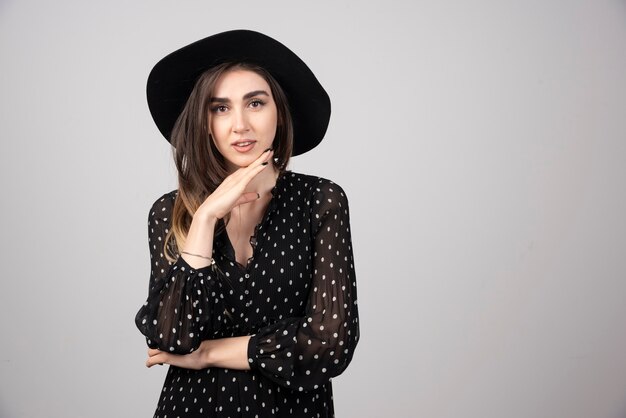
(246,198)
(157,359)
(265,156)
(262,159)
(244,175)
(153,352)
(251,172)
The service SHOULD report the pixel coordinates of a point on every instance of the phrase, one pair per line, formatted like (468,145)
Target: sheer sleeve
(302,353)
(181,300)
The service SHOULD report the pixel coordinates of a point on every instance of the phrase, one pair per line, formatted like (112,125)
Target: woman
(252,297)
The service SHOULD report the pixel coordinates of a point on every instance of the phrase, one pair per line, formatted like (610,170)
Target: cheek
(217,131)
(272,123)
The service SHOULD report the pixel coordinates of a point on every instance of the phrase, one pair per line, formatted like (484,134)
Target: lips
(243,145)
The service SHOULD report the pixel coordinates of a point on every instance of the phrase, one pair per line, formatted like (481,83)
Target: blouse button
(247,276)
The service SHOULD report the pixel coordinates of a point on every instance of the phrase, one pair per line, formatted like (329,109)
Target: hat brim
(172,79)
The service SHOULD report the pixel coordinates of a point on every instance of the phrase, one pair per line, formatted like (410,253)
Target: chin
(242,161)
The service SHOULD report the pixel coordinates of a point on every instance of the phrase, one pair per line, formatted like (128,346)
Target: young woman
(252,298)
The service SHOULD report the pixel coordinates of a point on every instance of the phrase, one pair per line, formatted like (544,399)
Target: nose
(240,122)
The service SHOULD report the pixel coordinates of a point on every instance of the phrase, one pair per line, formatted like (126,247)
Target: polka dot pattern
(296,297)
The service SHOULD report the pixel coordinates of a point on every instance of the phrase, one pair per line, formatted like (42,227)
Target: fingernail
(265,163)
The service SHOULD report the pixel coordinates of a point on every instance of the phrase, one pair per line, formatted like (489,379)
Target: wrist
(205,217)
(207,354)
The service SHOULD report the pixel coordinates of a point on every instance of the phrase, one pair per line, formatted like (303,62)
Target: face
(243,117)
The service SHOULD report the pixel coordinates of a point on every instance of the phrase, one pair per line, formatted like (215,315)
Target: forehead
(236,83)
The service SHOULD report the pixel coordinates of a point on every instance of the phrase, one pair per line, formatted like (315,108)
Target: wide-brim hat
(172,79)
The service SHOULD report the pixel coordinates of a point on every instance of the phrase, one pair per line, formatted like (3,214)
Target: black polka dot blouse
(296,297)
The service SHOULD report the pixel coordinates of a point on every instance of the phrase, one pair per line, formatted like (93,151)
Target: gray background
(482,147)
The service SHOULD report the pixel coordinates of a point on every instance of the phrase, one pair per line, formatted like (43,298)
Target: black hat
(172,79)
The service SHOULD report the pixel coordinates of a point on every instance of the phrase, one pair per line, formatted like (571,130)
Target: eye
(256,103)
(219,109)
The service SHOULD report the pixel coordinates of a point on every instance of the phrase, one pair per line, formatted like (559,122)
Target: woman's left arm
(228,353)
(304,352)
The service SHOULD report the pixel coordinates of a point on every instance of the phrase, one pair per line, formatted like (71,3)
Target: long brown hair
(201,168)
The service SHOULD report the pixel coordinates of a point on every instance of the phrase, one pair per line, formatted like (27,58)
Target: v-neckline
(254,238)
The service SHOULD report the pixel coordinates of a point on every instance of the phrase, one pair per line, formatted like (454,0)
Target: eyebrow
(245,96)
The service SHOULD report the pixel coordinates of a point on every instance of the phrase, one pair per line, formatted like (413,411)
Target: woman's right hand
(231,192)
